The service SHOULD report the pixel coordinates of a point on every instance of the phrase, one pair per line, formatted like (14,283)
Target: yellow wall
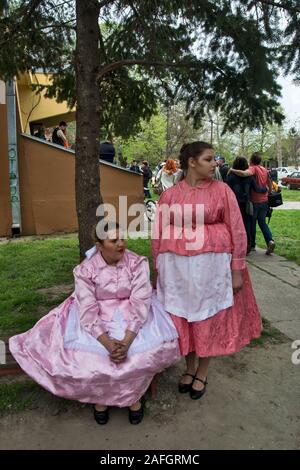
(35,107)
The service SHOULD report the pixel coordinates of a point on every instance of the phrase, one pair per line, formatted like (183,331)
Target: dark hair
(240,163)
(99,234)
(192,150)
(255,158)
(63,123)
(145,163)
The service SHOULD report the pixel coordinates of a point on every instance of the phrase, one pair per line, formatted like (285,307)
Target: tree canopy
(215,55)
(117,58)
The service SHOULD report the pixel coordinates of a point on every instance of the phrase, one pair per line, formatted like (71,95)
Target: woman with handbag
(260,201)
(241,188)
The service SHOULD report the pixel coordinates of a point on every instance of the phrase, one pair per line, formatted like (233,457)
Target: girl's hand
(110,344)
(123,346)
(119,354)
(237,281)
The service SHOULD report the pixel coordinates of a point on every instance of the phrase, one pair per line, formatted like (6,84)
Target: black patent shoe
(101,417)
(135,417)
(196,394)
(184,388)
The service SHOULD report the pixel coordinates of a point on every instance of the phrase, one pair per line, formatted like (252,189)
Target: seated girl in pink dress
(104,343)
(203,282)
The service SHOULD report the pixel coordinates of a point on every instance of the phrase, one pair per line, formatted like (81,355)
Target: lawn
(27,266)
(285,227)
(290,195)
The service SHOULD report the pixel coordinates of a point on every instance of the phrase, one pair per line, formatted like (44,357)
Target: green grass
(290,195)
(17,396)
(270,335)
(27,395)
(26,267)
(285,228)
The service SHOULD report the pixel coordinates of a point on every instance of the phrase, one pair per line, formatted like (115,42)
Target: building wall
(47,173)
(47,187)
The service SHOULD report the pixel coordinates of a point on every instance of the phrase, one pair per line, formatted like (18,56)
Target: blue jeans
(247,219)
(260,210)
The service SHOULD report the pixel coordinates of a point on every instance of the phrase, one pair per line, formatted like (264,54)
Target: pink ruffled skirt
(67,361)
(226,332)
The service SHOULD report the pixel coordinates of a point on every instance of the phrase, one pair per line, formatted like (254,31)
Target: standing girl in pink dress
(106,342)
(204,285)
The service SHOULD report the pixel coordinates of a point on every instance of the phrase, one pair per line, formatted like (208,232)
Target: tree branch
(103,3)
(280,5)
(150,63)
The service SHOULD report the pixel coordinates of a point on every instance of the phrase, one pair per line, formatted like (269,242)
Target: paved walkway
(276,283)
(289,205)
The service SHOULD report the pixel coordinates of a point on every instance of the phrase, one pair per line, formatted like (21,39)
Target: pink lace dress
(194,284)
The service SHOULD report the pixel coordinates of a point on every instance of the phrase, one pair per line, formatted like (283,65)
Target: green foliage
(35,34)
(214,55)
(149,144)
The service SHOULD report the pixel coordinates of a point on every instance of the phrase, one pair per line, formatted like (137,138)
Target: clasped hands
(117,349)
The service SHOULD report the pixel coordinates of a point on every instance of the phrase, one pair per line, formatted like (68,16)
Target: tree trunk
(87,181)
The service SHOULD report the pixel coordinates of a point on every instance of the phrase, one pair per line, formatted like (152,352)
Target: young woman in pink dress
(106,342)
(205,286)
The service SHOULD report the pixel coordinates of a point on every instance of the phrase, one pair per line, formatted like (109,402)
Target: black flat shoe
(184,388)
(196,394)
(135,417)
(101,417)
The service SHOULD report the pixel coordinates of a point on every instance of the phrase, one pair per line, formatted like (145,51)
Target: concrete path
(289,205)
(276,283)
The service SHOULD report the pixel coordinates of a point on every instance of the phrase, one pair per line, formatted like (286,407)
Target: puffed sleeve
(140,297)
(87,304)
(234,222)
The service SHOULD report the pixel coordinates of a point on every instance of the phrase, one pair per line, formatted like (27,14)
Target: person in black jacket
(59,134)
(241,186)
(147,175)
(223,167)
(135,167)
(107,151)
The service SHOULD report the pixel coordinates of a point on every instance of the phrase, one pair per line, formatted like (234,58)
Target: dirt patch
(251,398)
(57,291)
